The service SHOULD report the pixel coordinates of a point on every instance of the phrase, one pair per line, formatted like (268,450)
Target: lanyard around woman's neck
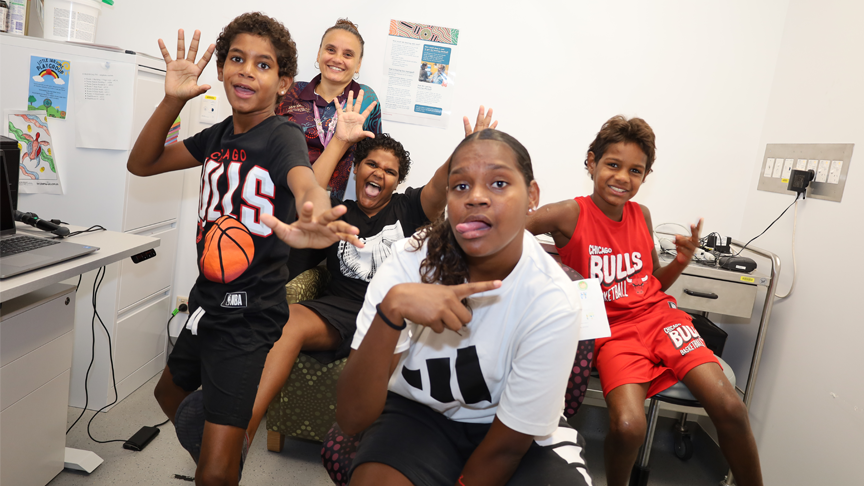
(330,129)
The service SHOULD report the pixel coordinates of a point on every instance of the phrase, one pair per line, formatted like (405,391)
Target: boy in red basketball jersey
(254,166)
(653,344)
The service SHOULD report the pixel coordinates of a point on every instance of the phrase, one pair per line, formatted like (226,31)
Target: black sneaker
(189,423)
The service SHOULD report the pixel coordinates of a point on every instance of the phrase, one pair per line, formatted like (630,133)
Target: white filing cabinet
(35,358)
(134,301)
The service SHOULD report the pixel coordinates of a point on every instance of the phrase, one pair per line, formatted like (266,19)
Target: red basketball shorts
(660,347)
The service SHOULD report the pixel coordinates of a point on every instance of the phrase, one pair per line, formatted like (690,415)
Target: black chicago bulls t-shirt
(242,264)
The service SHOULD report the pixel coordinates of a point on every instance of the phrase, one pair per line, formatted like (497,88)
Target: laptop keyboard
(18,244)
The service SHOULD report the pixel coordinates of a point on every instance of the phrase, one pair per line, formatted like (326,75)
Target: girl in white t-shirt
(465,342)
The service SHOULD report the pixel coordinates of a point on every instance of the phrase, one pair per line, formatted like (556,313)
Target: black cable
(92,353)
(79,282)
(168,327)
(95,227)
(162,423)
(111,359)
(770,225)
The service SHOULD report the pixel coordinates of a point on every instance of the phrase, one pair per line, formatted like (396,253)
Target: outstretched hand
(686,246)
(311,231)
(437,307)
(484,121)
(349,125)
(181,77)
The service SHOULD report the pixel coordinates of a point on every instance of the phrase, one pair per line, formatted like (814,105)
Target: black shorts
(431,450)
(339,312)
(226,359)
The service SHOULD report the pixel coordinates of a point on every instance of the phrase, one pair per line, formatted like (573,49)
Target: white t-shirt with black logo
(512,360)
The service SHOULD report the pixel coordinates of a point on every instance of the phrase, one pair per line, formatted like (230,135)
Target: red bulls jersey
(619,255)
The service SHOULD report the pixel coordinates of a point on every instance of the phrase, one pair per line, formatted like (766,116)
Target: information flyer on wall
(103,115)
(418,67)
(37,168)
(49,86)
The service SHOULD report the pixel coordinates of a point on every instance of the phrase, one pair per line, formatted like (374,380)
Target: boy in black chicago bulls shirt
(254,166)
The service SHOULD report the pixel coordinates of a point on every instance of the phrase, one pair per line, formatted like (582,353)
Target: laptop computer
(24,253)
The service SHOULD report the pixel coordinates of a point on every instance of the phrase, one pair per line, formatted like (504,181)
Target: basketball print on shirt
(362,263)
(228,250)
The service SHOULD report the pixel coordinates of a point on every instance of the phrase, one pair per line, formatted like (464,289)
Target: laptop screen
(7,219)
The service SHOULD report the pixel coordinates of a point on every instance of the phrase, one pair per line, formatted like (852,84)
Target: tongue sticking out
(471,226)
(372,191)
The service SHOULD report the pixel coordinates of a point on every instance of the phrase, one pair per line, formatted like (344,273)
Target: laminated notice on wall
(418,67)
(102,99)
(37,167)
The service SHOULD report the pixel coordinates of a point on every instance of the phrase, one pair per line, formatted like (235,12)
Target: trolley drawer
(712,295)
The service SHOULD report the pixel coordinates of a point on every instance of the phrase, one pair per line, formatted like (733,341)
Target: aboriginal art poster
(37,167)
(418,68)
(49,86)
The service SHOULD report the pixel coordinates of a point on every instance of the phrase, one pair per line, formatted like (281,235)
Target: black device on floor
(141,438)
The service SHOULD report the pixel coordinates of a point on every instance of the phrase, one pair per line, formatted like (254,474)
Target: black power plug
(799,180)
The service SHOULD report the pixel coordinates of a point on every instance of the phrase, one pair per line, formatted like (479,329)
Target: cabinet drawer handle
(704,295)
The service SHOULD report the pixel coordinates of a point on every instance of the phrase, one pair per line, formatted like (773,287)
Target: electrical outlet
(183,300)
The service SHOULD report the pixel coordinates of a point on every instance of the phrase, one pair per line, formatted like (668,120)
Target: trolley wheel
(683,446)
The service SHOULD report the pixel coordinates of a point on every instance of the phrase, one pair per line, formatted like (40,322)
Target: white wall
(808,408)
(716,80)
(698,73)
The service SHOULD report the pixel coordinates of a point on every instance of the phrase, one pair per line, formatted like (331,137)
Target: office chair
(677,394)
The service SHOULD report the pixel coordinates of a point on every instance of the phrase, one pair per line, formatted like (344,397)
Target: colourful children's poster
(49,86)
(37,168)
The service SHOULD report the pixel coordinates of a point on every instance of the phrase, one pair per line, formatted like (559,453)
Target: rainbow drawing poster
(49,86)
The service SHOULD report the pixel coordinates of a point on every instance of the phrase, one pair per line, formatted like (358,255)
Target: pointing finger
(466,289)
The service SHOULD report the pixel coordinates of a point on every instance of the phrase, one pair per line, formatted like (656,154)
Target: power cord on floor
(92,351)
(97,282)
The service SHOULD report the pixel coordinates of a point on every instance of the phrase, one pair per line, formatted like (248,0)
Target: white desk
(113,246)
(36,342)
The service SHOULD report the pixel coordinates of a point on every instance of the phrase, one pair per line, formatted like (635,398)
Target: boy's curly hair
(619,129)
(256,23)
(383,141)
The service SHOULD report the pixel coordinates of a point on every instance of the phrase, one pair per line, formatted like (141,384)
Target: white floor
(298,464)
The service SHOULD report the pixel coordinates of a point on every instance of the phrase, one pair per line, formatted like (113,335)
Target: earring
(316,65)
(356,76)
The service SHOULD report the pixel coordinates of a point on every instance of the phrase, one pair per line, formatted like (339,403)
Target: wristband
(387,321)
